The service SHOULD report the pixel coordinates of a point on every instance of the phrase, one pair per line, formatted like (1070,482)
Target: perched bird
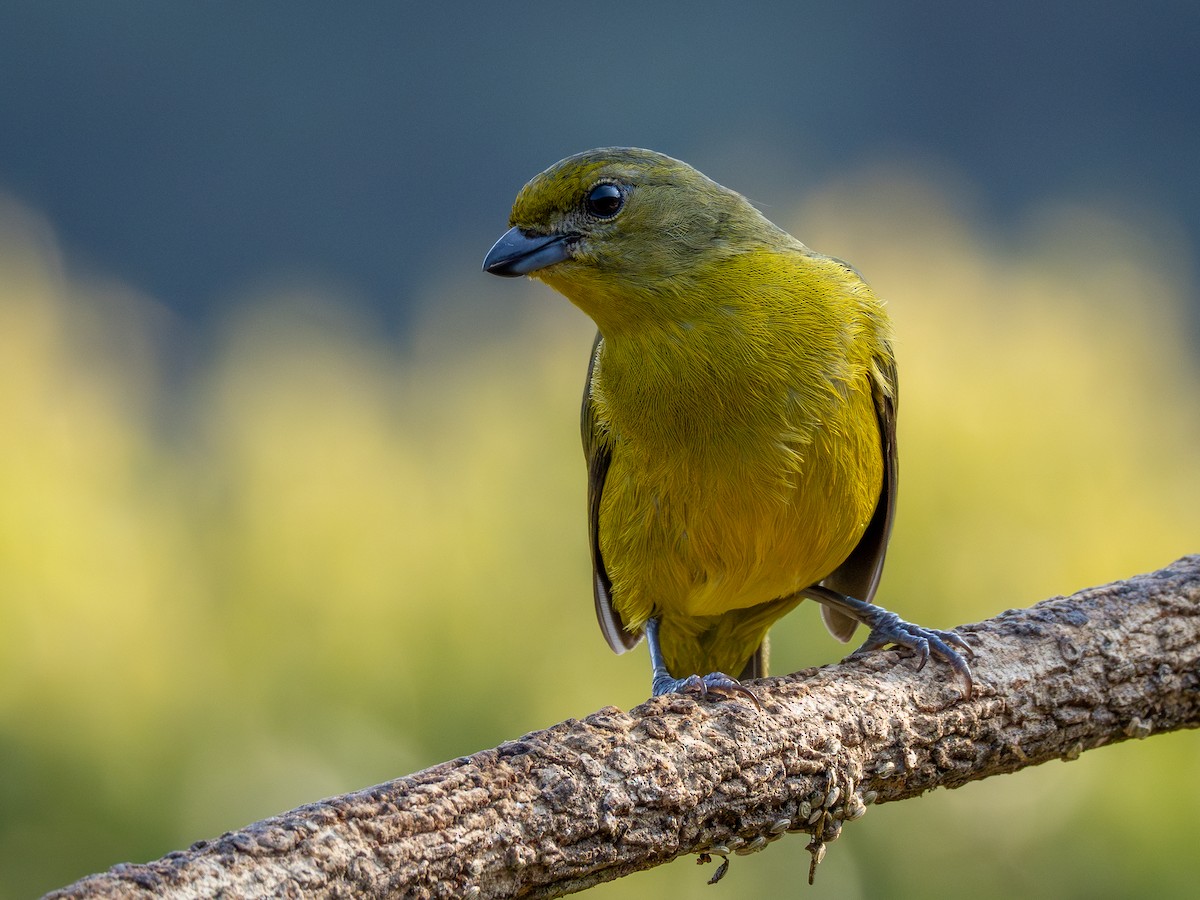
(739,416)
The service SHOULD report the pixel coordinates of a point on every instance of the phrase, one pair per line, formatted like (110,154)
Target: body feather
(755,475)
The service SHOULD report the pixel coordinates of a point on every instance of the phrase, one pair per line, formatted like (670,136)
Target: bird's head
(617,229)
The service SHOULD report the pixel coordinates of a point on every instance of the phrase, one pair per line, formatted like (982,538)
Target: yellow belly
(706,541)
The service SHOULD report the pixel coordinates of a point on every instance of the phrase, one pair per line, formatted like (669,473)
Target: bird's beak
(518,253)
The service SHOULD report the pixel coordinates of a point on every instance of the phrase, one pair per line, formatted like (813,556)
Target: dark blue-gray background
(191,149)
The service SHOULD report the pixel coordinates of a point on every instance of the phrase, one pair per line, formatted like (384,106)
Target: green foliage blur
(327,559)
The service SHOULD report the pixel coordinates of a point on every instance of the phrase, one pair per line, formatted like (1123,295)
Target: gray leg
(664,683)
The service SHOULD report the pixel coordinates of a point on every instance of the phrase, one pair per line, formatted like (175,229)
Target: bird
(738,417)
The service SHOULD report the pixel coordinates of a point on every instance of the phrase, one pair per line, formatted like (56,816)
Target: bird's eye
(605,200)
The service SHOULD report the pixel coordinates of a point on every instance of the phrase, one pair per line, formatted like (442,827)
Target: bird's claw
(713,683)
(888,628)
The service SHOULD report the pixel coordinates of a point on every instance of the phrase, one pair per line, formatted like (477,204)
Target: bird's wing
(598,453)
(859,575)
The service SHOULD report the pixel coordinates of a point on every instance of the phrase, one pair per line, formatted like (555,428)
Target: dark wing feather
(859,575)
(598,453)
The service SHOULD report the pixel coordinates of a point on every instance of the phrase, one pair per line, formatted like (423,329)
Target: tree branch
(588,801)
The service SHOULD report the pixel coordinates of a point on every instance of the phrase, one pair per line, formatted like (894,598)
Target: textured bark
(590,800)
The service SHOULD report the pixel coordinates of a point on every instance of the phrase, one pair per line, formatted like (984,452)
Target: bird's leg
(888,628)
(714,682)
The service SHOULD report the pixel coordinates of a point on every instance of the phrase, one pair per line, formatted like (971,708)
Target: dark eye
(605,200)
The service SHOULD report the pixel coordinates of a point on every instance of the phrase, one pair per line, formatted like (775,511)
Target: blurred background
(291,497)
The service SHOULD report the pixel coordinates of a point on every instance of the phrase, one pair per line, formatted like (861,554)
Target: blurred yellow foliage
(324,562)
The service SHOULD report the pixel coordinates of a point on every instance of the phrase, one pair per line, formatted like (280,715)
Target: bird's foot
(717,683)
(713,683)
(888,628)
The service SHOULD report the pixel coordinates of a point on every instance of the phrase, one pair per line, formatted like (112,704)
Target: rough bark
(591,800)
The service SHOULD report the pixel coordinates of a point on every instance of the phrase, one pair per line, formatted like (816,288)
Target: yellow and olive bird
(739,416)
